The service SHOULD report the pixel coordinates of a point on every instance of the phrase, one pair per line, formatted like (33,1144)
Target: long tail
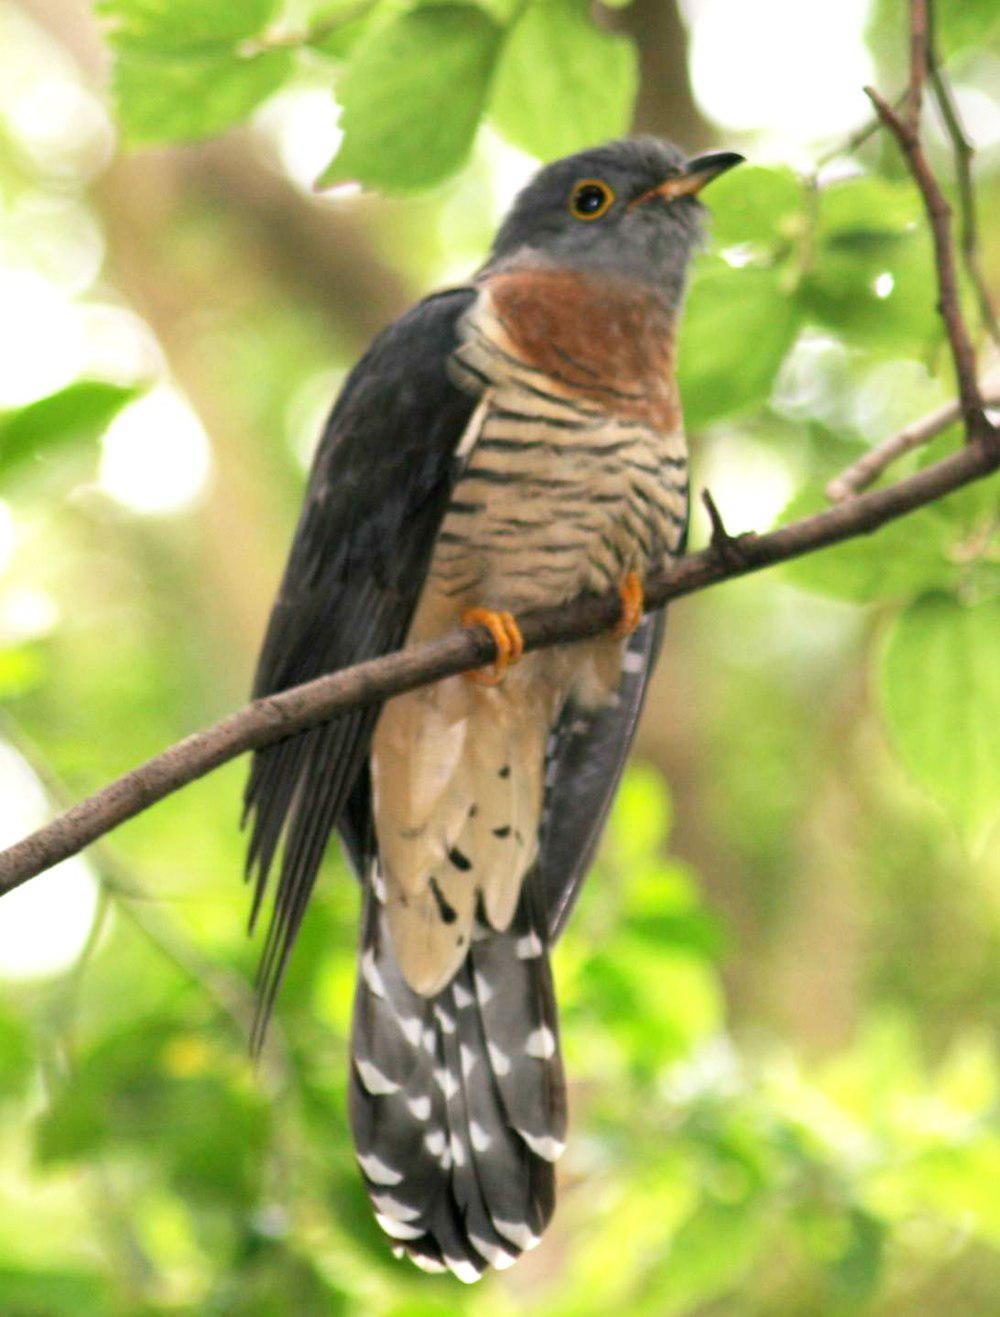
(458,1102)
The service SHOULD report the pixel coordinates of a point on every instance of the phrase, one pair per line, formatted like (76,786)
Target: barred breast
(575,461)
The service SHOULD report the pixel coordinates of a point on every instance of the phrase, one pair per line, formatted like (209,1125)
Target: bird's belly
(552,505)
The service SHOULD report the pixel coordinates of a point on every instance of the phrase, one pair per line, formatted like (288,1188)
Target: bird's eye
(591,199)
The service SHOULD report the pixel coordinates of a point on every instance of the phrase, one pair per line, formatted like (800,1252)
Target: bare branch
(728,548)
(919,40)
(939,217)
(275,717)
(907,134)
(964,153)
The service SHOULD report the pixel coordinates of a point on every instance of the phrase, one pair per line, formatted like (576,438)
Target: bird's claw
(633,599)
(507,638)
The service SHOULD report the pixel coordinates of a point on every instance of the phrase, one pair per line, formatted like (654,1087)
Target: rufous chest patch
(606,340)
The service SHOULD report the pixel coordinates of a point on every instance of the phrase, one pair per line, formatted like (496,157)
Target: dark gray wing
(586,756)
(376,496)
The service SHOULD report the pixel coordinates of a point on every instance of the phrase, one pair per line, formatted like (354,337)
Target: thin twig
(857,139)
(281,38)
(939,218)
(727,547)
(277,716)
(919,41)
(964,152)
(862,473)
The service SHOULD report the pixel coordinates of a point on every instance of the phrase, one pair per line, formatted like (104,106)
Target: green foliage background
(780,989)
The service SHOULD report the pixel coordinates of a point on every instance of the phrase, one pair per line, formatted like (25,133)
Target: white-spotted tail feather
(458,1101)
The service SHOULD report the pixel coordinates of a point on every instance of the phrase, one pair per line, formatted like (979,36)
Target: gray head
(628,208)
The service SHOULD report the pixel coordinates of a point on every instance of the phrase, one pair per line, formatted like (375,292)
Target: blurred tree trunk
(666,105)
(267,241)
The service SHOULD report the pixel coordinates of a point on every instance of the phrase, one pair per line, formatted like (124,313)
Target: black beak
(703,168)
(695,175)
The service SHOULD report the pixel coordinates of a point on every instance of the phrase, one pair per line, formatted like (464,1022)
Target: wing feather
(377,493)
(585,760)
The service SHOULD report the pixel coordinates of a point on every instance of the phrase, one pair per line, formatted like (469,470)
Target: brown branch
(939,218)
(728,548)
(919,41)
(275,717)
(907,134)
(854,141)
(964,152)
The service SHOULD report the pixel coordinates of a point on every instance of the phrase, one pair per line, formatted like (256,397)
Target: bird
(506,444)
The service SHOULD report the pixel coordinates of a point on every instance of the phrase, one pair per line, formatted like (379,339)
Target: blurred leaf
(737,328)
(641,818)
(178,27)
(561,83)
(173,98)
(413,93)
(902,559)
(697,931)
(17,1060)
(21,668)
(756,205)
(964,24)
(75,415)
(940,693)
(47,1293)
(274,1281)
(858,1268)
(151,1084)
(710,1254)
(959,25)
(189,69)
(867,206)
(656,1002)
(871,275)
(336,27)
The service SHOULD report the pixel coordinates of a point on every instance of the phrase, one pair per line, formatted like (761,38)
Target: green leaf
(16,1058)
(43,1292)
(413,94)
(563,84)
(905,558)
(871,277)
(756,205)
(77,414)
(962,24)
(164,27)
(940,693)
(868,205)
(188,69)
(737,328)
(175,98)
(338,39)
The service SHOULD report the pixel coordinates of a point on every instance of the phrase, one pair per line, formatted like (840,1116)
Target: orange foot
(632,598)
(507,638)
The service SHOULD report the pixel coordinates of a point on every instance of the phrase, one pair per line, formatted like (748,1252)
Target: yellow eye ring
(590,199)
